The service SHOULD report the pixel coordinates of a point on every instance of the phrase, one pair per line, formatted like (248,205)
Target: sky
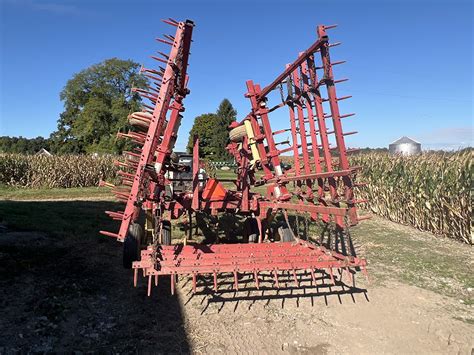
(410,63)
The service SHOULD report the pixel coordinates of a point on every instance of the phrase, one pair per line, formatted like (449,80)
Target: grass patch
(16,193)
(417,258)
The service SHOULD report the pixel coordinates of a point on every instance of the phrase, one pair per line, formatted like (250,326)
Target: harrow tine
(340,80)
(149,285)
(333,64)
(126,175)
(194,282)
(341,116)
(335,44)
(135,277)
(114,213)
(276,278)
(313,277)
(339,98)
(150,97)
(332,276)
(153,77)
(344,97)
(170,23)
(103,183)
(339,62)
(127,182)
(164,41)
(255,274)
(151,71)
(151,108)
(159,59)
(236,281)
(164,55)
(120,164)
(170,37)
(295,278)
(329,27)
(120,195)
(173,281)
(156,280)
(109,234)
(215,281)
(157,90)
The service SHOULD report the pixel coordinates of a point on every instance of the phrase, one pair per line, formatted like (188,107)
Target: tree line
(23,145)
(97,101)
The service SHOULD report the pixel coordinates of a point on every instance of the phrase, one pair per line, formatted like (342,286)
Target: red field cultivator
(310,176)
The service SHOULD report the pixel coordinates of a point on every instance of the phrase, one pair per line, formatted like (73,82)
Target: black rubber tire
(251,230)
(285,233)
(237,134)
(139,124)
(131,245)
(166,233)
(174,157)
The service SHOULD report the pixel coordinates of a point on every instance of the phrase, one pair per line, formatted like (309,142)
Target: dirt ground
(64,292)
(392,319)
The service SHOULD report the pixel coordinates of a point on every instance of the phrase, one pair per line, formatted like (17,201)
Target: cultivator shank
(310,176)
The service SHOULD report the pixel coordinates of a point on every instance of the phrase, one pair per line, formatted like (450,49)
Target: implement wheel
(285,233)
(251,230)
(237,134)
(139,124)
(131,245)
(166,233)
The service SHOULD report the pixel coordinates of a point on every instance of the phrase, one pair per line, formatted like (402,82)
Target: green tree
(212,129)
(23,145)
(97,101)
(205,128)
(226,114)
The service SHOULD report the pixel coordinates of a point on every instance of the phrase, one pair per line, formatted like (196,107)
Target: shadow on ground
(248,293)
(62,286)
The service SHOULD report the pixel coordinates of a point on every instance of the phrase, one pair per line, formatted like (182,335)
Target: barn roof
(404,140)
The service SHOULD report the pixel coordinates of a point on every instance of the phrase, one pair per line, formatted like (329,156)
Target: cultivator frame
(319,182)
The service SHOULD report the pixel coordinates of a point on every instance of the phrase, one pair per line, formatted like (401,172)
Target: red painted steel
(319,183)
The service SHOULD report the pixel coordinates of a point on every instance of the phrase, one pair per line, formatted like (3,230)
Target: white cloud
(448,138)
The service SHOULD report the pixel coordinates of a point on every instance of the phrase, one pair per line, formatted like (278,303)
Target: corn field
(55,171)
(431,191)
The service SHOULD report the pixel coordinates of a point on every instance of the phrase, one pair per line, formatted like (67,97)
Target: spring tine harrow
(319,183)
(241,259)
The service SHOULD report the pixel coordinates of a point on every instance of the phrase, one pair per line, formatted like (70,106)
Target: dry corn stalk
(431,191)
(55,171)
